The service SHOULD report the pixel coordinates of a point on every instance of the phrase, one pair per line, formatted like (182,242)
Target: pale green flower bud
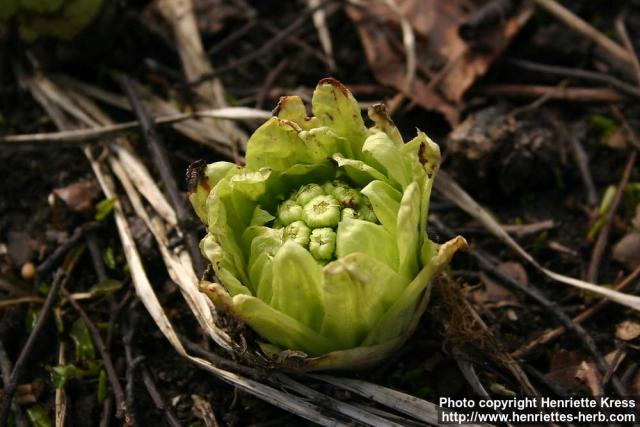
(298,232)
(289,212)
(322,243)
(328,188)
(308,192)
(366,213)
(321,211)
(348,213)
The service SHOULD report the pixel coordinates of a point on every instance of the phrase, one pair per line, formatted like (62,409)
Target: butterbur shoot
(319,243)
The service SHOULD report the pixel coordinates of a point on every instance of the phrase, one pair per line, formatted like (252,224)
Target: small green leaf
(109,258)
(57,316)
(85,350)
(102,386)
(107,287)
(61,374)
(607,200)
(30,320)
(37,417)
(605,124)
(104,208)
(43,289)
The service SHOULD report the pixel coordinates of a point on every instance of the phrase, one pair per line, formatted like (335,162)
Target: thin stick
(96,258)
(147,378)
(86,135)
(5,369)
(161,161)
(576,23)
(573,94)
(61,250)
(236,34)
(556,388)
(552,334)
(22,300)
(61,395)
(10,387)
(624,35)
(620,354)
(598,249)
(583,166)
(157,398)
(577,73)
(121,405)
(132,362)
(581,158)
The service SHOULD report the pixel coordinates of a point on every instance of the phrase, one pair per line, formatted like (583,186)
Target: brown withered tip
(281,101)
(380,110)
(194,174)
(335,83)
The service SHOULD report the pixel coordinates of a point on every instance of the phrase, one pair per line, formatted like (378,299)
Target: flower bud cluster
(311,214)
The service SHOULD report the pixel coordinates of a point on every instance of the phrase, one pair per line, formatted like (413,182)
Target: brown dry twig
(157,398)
(137,363)
(592,76)
(61,250)
(624,35)
(81,136)
(121,406)
(161,161)
(572,94)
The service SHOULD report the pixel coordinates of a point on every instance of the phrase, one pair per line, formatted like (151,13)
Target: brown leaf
(446,64)
(493,292)
(564,368)
(628,330)
(617,140)
(627,250)
(78,196)
(514,270)
(588,373)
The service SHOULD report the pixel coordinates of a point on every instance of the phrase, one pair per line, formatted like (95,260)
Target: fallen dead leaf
(564,368)
(78,196)
(627,250)
(493,292)
(514,270)
(446,64)
(628,330)
(617,140)
(588,373)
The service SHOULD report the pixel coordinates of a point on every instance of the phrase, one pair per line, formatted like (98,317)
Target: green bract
(320,241)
